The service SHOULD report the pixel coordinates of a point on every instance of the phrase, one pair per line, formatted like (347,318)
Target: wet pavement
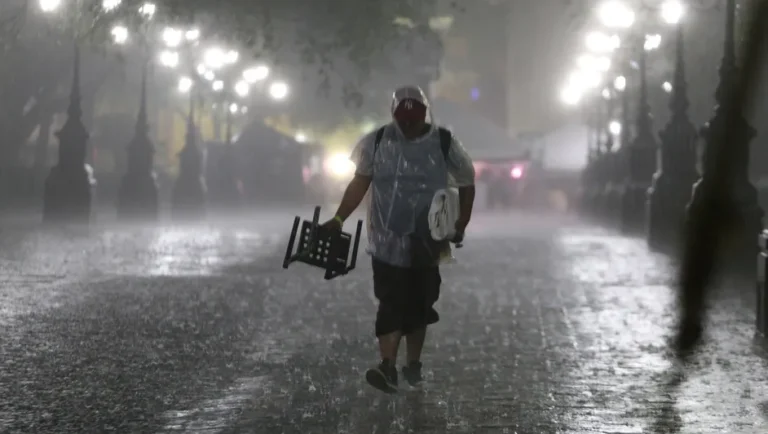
(548,325)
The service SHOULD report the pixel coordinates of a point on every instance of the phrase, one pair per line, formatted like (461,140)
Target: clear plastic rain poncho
(406,174)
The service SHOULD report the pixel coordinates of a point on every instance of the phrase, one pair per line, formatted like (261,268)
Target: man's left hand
(461,226)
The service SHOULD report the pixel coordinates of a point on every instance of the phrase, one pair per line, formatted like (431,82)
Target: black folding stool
(323,248)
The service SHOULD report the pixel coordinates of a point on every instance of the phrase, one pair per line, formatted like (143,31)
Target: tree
(341,42)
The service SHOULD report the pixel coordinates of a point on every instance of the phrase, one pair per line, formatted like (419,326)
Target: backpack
(445,140)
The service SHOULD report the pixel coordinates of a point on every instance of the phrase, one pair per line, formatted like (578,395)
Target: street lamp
(148,10)
(185,84)
(599,42)
(615,127)
(110,5)
(570,95)
(738,193)
(48,6)
(672,11)
(215,58)
(616,14)
(242,88)
(119,35)
(620,83)
(257,74)
(192,35)
(169,58)
(231,57)
(172,37)
(278,90)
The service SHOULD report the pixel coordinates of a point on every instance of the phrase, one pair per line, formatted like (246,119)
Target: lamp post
(676,172)
(69,185)
(738,198)
(225,183)
(67,193)
(138,196)
(641,156)
(189,194)
(188,198)
(589,175)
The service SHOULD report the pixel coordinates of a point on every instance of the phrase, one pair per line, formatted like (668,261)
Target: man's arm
(362,156)
(353,195)
(462,170)
(466,203)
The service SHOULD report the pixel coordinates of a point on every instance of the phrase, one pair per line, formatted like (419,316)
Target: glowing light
(571,95)
(201,69)
(215,58)
(148,9)
(615,128)
(616,14)
(119,34)
(652,42)
(209,75)
(218,85)
(232,56)
(172,37)
(185,84)
(340,166)
(300,137)
(599,42)
(620,83)
(49,5)
(672,11)
(169,59)
(667,86)
(192,35)
(256,74)
(242,88)
(110,5)
(278,90)
(516,172)
(234,108)
(606,93)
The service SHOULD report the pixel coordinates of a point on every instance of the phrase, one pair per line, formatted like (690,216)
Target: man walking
(404,163)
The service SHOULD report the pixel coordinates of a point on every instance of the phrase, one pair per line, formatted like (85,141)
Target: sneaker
(383,377)
(412,374)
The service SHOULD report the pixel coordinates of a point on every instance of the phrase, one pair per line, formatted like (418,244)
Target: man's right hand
(333,224)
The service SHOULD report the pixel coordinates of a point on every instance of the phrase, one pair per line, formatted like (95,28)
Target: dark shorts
(406,297)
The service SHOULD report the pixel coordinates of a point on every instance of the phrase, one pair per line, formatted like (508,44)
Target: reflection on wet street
(548,325)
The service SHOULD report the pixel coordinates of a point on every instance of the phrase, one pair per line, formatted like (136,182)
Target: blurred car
(504,181)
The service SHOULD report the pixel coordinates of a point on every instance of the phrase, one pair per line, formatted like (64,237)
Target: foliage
(339,45)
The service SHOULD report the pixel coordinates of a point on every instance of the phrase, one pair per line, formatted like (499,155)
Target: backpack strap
(379,136)
(446,139)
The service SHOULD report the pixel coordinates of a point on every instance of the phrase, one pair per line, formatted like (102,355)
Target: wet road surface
(548,325)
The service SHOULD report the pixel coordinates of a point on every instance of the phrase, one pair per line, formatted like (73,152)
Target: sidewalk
(545,329)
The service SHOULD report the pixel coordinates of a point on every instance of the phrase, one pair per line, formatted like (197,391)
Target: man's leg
(424,291)
(389,289)
(389,344)
(414,343)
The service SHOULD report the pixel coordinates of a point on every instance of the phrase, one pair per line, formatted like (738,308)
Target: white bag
(443,214)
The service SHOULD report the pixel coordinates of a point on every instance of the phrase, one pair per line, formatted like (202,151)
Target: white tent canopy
(482,138)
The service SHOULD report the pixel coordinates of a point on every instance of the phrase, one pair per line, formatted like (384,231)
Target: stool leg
(356,246)
(291,240)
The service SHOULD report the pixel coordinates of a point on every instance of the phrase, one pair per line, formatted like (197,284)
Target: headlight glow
(340,166)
